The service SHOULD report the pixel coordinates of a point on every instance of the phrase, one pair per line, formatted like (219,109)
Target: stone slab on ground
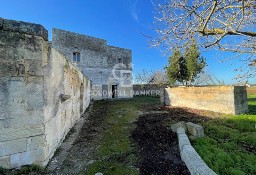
(182,124)
(195,129)
(194,162)
(183,141)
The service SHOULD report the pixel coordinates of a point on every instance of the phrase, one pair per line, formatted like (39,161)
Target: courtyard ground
(133,137)
(117,141)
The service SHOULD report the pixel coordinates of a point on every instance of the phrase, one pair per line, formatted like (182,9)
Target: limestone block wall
(223,99)
(42,95)
(61,78)
(147,89)
(97,61)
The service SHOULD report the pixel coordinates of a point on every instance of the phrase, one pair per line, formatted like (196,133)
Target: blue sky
(123,23)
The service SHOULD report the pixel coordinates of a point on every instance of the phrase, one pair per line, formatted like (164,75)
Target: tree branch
(218,31)
(211,13)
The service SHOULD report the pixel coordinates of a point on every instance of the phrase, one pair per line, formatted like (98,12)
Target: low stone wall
(190,157)
(223,99)
(251,90)
(147,89)
(42,95)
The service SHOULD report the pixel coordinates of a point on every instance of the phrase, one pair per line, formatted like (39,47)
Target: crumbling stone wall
(42,95)
(97,61)
(223,99)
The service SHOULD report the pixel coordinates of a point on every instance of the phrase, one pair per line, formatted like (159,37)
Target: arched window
(76,56)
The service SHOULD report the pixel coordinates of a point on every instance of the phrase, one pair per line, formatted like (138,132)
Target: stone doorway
(114,91)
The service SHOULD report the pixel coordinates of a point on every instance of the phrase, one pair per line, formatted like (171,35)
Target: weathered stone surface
(183,140)
(82,41)
(194,162)
(161,96)
(202,170)
(32,67)
(29,157)
(195,130)
(20,51)
(61,77)
(24,27)
(241,105)
(223,99)
(1,23)
(181,130)
(35,67)
(64,97)
(182,124)
(192,137)
(27,100)
(13,147)
(37,142)
(20,132)
(99,174)
(7,69)
(5,162)
(33,121)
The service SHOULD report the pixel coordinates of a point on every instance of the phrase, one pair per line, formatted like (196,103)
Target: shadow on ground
(158,145)
(252,106)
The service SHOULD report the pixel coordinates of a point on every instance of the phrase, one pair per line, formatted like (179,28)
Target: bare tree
(160,78)
(151,77)
(226,25)
(206,78)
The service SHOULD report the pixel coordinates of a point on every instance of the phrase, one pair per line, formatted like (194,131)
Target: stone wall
(147,89)
(42,95)
(223,99)
(98,61)
(190,157)
(251,90)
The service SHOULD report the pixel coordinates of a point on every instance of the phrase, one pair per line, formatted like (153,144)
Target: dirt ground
(157,146)
(83,149)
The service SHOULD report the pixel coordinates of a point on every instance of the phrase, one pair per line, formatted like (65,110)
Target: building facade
(109,68)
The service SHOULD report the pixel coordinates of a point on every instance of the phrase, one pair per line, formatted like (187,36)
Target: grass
(116,154)
(252,103)
(230,142)
(31,169)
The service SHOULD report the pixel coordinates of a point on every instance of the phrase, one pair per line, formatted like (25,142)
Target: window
(119,60)
(76,56)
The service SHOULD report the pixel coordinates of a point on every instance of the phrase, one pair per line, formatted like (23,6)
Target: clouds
(134,11)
